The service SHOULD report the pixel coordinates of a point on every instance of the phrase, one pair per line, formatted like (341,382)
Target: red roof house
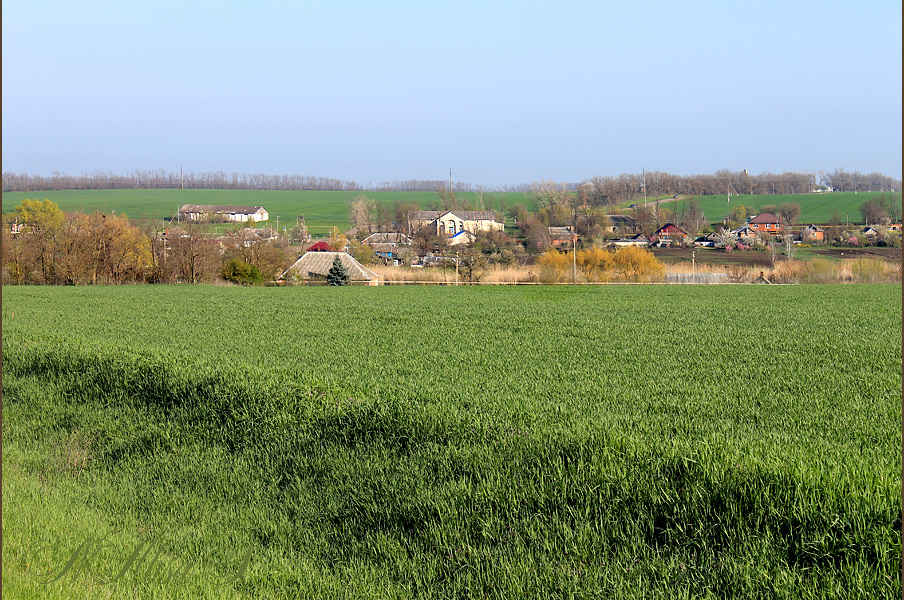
(766,223)
(320,247)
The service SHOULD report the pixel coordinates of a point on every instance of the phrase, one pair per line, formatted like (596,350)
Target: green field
(814,208)
(427,442)
(322,209)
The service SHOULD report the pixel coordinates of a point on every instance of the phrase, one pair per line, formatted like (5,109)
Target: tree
(472,264)
(42,215)
(690,216)
(875,213)
(194,258)
(738,214)
(299,233)
(338,241)
(338,274)
(789,212)
(361,210)
(238,271)
(725,239)
(833,231)
(788,240)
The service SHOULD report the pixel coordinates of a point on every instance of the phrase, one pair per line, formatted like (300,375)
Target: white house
(450,223)
(216,212)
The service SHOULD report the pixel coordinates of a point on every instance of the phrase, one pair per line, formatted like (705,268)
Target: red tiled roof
(765,218)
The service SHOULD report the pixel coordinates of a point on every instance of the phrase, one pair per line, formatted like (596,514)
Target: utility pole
(456,265)
(644,186)
(574,259)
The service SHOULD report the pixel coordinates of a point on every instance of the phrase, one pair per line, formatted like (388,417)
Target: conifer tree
(338,274)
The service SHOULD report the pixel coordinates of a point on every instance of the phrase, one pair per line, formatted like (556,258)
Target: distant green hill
(322,209)
(814,208)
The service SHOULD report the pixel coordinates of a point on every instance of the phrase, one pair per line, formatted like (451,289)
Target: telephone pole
(574,259)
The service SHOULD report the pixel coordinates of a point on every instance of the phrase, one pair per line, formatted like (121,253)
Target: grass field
(814,208)
(411,442)
(322,209)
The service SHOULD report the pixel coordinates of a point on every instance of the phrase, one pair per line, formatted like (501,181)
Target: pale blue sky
(501,92)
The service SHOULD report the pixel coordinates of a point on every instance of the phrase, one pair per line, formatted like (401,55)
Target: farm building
(766,223)
(316,265)
(217,212)
(449,223)
(620,223)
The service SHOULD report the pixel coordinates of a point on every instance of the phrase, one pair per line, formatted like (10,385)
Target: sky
(500,92)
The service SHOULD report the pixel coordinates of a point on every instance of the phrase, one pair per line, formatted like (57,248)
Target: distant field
(322,209)
(427,442)
(814,208)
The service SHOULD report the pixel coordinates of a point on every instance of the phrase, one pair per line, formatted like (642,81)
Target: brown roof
(387,238)
(765,218)
(317,264)
(561,233)
(670,228)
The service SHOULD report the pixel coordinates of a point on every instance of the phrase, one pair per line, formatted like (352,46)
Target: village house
(812,233)
(562,236)
(668,233)
(450,223)
(314,266)
(766,223)
(217,212)
(386,245)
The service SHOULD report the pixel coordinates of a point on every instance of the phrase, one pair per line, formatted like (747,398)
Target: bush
(238,271)
(597,264)
(638,264)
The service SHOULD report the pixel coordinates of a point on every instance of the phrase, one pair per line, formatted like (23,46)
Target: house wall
(451,226)
(771,228)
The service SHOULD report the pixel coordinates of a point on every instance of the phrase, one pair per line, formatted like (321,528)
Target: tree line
(43,245)
(598,190)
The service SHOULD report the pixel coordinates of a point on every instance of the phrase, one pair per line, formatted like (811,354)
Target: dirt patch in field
(709,256)
(892,254)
